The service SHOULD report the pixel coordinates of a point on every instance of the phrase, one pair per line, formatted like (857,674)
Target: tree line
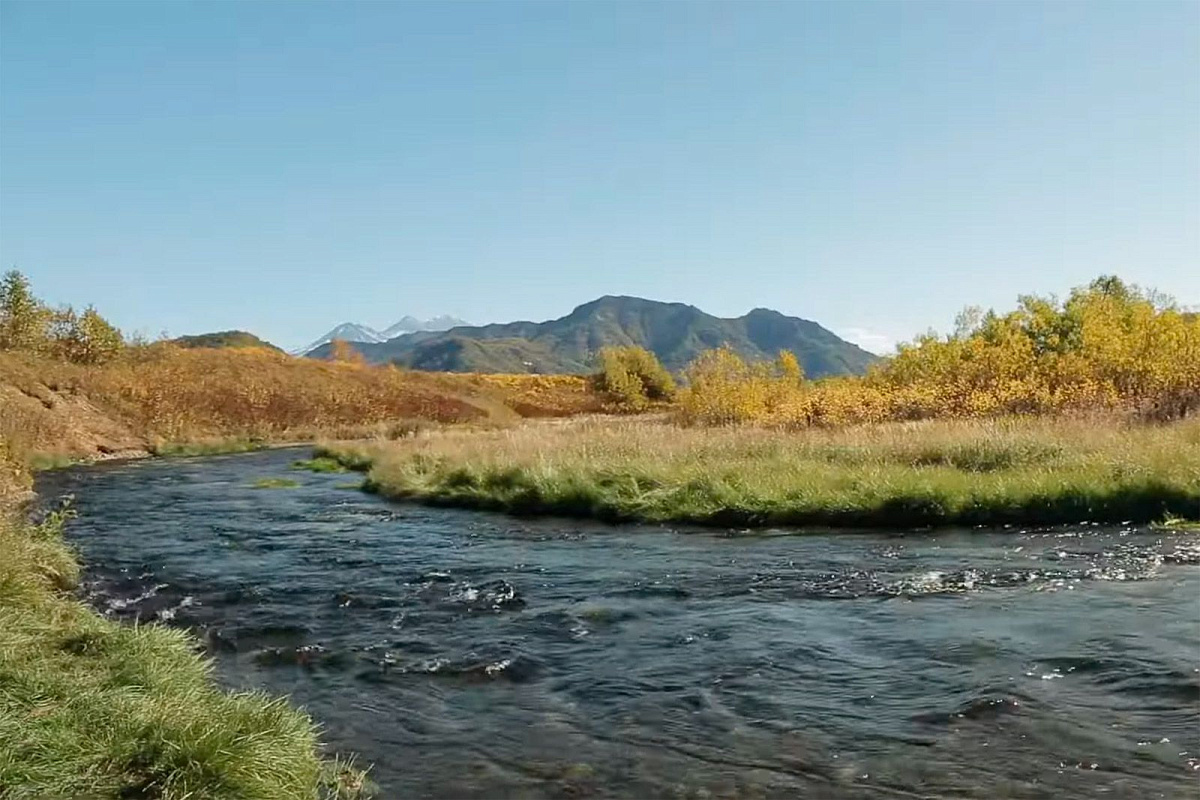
(28,324)
(1108,346)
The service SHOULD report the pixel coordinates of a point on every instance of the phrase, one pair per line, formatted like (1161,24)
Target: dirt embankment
(65,425)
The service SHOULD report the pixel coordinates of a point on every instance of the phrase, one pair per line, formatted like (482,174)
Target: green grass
(1173,523)
(93,708)
(320,464)
(276,483)
(41,462)
(209,447)
(353,456)
(1012,471)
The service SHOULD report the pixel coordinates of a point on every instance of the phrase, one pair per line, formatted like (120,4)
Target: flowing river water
(472,655)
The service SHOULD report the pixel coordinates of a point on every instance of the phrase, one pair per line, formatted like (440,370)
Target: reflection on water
(476,656)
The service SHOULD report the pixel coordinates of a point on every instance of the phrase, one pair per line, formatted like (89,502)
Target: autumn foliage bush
(723,388)
(1109,347)
(633,377)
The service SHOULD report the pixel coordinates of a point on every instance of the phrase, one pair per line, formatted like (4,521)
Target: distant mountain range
(354,332)
(675,332)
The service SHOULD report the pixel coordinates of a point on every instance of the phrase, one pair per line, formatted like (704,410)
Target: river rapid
(473,655)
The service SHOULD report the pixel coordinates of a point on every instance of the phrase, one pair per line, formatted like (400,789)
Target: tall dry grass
(161,394)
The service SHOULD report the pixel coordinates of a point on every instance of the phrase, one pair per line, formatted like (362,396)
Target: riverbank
(90,707)
(985,472)
(94,708)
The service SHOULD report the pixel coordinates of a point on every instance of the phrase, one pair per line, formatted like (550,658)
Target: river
(473,655)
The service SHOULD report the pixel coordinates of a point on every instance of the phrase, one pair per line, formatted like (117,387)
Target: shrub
(343,352)
(85,338)
(724,388)
(634,377)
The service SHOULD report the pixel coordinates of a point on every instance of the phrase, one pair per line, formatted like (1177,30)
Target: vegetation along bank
(899,474)
(1057,412)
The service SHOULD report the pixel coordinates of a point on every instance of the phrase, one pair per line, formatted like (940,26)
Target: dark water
(477,656)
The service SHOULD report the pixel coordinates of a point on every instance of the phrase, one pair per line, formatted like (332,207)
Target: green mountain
(675,332)
(224,339)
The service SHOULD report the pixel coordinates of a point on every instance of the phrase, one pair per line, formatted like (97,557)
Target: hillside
(224,339)
(159,396)
(675,332)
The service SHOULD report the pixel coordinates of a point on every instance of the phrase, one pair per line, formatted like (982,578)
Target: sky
(281,167)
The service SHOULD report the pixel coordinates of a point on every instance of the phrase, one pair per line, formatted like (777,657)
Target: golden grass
(539,395)
(153,398)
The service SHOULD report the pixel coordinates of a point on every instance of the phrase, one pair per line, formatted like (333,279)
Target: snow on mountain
(412,325)
(355,332)
(405,325)
(349,331)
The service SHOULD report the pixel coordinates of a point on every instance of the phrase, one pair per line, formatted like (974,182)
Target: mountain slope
(412,325)
(675,332)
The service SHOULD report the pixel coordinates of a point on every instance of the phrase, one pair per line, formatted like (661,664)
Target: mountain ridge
(675,332)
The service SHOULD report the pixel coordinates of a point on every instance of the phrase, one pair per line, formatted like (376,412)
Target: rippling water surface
(470,655)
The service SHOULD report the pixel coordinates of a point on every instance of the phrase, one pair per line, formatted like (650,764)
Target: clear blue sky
(283,166)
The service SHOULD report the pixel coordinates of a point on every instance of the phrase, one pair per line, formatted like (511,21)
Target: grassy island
(972,472)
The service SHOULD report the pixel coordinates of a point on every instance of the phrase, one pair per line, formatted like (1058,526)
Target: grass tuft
(320,464)
(1173,523)
(276,483)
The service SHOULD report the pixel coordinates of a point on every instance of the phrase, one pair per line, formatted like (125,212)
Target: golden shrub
(633,377)
(1108,347)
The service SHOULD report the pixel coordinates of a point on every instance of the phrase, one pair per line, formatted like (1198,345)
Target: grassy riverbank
(982,472)
(93,708)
